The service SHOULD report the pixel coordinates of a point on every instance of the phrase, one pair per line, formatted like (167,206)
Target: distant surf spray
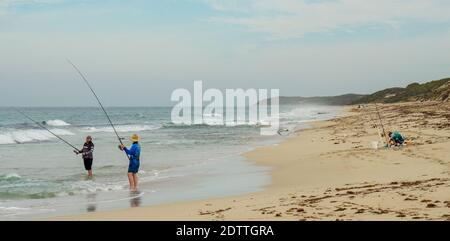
(239,107)
(122,128)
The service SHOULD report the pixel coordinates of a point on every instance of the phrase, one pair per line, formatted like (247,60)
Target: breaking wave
(13,186)
(30,135)
(122,128)
(57,123)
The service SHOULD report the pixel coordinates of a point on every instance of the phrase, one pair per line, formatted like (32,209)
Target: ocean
(40,176)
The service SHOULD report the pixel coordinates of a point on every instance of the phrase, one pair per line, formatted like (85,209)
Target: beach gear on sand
(378,124)
(382,125)
(374,144)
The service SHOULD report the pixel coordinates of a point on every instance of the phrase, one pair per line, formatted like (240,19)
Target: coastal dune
(332,171)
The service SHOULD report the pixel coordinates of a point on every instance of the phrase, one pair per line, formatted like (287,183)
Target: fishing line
(98,100)
(45,128)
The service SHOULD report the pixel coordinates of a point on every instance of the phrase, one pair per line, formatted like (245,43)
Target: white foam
(30,135)
(57,123)
(6,139)
(302,112)
(17,211)
(12,176)
(13,208)
(213,120)
(91,187)
(122,128)
(308,113)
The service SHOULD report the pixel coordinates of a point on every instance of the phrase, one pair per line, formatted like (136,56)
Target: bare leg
(90,173)
(131,180)
(135,181)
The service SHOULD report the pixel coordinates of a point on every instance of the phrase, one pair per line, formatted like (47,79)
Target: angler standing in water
(134,154)
(87,153)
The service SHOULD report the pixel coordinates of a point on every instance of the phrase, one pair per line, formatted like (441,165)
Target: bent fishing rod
(45,128)
(98,100)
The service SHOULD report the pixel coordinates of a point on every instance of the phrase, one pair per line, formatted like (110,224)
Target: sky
(136,52)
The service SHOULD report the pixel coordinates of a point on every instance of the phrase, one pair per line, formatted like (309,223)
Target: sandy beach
(332,172)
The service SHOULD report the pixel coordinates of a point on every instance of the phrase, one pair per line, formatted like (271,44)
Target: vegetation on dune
(323,100)
(438,90)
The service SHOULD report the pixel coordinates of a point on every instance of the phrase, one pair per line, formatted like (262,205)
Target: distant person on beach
(134,154)
(87,153)
(396,139)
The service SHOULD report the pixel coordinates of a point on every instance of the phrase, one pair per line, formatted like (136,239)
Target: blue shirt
(134,152)
(397,137)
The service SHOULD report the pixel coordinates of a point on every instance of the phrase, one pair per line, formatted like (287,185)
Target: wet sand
(332,172)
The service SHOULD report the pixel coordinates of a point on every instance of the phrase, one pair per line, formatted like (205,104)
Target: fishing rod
(381,123)
(98,100)
(45,128)
(374,123)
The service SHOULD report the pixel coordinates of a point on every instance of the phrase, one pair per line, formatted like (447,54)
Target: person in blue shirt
(134,154)
(396,139)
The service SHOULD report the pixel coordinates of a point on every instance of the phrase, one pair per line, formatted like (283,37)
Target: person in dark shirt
(87,153)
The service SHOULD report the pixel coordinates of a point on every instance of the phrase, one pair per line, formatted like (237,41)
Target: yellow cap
(134,138)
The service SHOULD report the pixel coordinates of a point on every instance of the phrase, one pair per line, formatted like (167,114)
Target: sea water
(40,176)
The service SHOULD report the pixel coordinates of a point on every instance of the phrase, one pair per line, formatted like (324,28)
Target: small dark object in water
(282,131)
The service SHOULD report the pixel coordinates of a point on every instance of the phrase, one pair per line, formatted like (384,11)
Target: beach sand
(332,172)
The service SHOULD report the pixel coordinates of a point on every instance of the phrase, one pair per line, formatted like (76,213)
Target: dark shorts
(133,167)
(87,164)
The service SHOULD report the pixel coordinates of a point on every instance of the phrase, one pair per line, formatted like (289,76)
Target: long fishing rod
(98,100)
(45,128)
(381,123)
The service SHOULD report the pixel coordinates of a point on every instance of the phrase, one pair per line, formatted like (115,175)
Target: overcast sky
(137,52)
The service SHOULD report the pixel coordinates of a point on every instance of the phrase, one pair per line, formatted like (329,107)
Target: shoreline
(330,172)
